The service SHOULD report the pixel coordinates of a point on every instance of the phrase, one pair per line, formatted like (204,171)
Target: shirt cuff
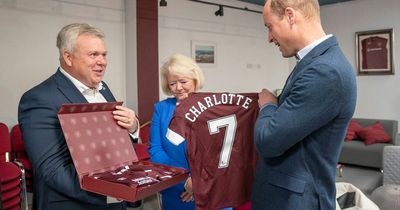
(267,104)
(112,200)
(135,135)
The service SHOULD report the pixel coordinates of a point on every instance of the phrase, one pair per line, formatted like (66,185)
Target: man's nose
(270,38)
(102,60)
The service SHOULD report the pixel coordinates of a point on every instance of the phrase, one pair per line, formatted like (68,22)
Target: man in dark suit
(83,61)
(299,135)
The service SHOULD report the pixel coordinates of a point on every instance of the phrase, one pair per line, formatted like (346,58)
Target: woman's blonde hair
(181,65)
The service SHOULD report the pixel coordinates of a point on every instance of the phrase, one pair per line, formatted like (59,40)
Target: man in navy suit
(299,135)
(83,61)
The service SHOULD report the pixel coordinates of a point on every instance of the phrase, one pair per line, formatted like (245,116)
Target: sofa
(356,152)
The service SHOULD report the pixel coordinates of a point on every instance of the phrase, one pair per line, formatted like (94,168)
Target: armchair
(387,196)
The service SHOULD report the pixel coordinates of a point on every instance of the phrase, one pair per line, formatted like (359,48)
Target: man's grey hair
(66,38)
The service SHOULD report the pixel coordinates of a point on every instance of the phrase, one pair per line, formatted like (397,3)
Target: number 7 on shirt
(214,126)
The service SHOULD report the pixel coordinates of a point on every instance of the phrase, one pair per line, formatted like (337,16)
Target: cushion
(354,126)
(374,134)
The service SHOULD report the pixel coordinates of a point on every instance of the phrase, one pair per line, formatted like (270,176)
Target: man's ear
(290,15)
(67,58)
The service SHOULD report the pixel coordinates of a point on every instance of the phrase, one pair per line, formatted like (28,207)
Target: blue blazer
(164,152)
(299,139)
(56,184)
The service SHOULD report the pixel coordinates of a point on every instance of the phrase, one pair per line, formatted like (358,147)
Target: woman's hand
(187,195)
(126,118)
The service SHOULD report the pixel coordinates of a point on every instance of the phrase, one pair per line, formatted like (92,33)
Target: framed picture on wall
(374,52)
(205,53)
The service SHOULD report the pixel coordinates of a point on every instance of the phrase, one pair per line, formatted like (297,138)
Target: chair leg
(24,194)
(159,201)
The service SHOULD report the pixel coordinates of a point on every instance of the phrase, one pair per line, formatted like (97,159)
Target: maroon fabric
(10,194)
(144,133)
(12,202)
(354,126)
(374,53)
(96,142)
(10,185)
(98,145)
(17,143)
(222,174)
(5,145)
(246,206)
(374,134)
(8,172)
(142,151)
(19,153)
(137,175)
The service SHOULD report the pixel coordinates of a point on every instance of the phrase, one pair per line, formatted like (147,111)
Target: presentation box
(105,158)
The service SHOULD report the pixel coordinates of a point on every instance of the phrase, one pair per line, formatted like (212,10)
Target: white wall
(246,62)
(28,52)
(378,96)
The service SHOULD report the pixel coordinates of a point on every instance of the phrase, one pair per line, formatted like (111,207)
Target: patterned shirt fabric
(218,128)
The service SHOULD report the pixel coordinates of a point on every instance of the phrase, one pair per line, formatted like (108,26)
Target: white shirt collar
(81,87)
(303,52)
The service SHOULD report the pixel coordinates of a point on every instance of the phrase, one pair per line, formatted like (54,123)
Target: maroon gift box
(99,145)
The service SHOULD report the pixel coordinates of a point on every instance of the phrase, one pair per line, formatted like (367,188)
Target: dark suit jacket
(300,138)
(56,184)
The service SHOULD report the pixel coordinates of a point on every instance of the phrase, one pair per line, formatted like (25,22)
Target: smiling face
(181,86)
(88,61)
(279,31)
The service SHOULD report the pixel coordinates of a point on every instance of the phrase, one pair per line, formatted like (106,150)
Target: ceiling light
(163,3)
(220,11)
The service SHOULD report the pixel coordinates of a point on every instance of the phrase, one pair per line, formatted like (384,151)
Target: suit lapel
(315,52)
(105,91)
(68,89)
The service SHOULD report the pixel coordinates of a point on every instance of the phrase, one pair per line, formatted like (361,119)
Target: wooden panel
(147,57)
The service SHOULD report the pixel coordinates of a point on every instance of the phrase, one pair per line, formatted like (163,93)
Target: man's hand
(126,118)
(265,97)
(187,195)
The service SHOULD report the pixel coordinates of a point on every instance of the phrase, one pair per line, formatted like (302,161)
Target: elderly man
(83,61)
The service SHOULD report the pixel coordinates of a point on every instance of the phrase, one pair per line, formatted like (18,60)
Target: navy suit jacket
(56,184)
(299,139)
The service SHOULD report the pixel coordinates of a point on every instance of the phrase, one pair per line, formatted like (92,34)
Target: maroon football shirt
(375,53)
(218,128)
